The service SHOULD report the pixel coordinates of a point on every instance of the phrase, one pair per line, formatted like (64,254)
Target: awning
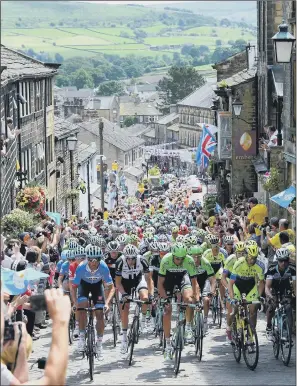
(259,165)
(285,198)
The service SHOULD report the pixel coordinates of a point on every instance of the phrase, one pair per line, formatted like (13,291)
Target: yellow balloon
(245,141)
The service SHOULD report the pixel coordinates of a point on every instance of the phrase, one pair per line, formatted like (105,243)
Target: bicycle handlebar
(90,309)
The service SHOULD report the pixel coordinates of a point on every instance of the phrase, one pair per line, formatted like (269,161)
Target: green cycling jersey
(168,267)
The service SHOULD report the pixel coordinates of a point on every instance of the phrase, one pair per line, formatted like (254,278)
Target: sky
(137,2)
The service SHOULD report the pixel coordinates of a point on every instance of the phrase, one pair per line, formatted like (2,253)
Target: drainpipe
(45,138)
(20,135)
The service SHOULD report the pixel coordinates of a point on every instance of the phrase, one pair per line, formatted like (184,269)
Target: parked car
(195,185)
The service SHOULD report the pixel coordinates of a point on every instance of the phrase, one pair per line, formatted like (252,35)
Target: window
(49,148)
(126,159)
(38,90)
(26,159)
(39,158)
(49,92)
(25,109)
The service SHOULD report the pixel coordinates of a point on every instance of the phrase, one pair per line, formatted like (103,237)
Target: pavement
(218,366)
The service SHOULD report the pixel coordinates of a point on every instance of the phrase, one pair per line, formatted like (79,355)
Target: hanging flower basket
(82,187)
(271,181)
(32,199)
(73,193)
(16,222)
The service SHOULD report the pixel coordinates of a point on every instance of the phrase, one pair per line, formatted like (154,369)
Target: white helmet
(130,250)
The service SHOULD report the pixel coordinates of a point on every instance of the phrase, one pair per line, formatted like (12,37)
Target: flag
(55,216)
(285,198)
(206,146)
(16,283)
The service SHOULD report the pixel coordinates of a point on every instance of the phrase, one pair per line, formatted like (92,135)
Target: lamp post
(101,127)
(237,107)
(72,143)
(283,43)
(147,157)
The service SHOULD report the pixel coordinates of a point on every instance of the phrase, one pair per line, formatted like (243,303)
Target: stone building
(195,109)
(233,64)
(107,107)
(144,112)
(161,126)
(27,97)
(65,204)
(277,94)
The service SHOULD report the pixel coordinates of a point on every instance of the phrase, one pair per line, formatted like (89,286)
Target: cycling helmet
(187,241)
(121,239)
(93,231)
(174,229)
(180,239)
(64,254)
(70,254)
(113,246)
(93,252)
(195,250)
(228,239)
(164,247)
(130,251)
(252,250)
(251,242)
(101,243)
(72,243)
(240,246)
(184,228)
(162,230)
(133,238)
(163,239)
(214,240)
(282,254)
(154,246)
(179,250)
(92,239)
(79,252)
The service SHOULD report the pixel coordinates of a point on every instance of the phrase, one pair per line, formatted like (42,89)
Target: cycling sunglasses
(93,258)
(283,260)
(178,258)
(196,256)
(131,257)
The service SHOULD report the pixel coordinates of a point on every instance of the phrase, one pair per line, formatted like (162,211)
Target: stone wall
(244,179)
(231,66)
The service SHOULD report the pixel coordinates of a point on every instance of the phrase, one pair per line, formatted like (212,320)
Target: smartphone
(38,303)
(8,331)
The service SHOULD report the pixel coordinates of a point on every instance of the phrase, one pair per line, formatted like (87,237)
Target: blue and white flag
(285,198)
(16,283)
(218,208)
(55,216)
(205,148)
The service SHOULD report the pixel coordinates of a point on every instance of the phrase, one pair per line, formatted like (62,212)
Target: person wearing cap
(26,239)
(283,227)
(257,215)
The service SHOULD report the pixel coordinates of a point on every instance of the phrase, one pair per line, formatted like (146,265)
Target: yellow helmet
(240,246)
(252,250)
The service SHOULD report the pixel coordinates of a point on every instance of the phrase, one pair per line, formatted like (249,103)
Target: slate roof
(202,97)
(100,103)
(142,87)
(241,77)
(136,130)
(151,133)
(72,92)
(64,128)
(174,127)
(84,151)
(142,108)
(113,134)
(168,118)
(20,66)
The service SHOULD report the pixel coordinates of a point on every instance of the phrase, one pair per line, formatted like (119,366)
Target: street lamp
(237,107)
(147,157)
(71,143)
(283,42)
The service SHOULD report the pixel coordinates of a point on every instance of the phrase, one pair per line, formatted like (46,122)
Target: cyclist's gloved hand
(166,301)
(151,298)
(125,297)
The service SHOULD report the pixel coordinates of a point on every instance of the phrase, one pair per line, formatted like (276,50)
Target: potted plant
(18,221)
(271,181)
(32,199)
(222,89)
(72,193)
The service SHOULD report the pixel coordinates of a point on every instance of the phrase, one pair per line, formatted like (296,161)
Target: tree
(225,23)
(129,121)
(59,58)
(239,44)
(218,42)
(179,82)
(111,87)
(82,79)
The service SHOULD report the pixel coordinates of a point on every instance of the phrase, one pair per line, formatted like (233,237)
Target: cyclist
(279,279)
(228,266)
(62,260)
(177,269)
(132,272)
(216,258)
(63,280)
(89,277)
(206,279)
(183,230)
(174,233)
(247,277)
(228,242)
(113,253)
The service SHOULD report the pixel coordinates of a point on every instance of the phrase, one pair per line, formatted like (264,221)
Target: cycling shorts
(96,290)
(251,293)
(183,283)
(129,285)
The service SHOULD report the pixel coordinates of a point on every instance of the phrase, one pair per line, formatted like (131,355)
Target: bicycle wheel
(236,342)
(286,340)
(178,349)
(219,312)
(131,339)
(275,338)
(214,309)
(157,324)
(114,325)
(90,350)
(71,327)
(199,335)
(250,347)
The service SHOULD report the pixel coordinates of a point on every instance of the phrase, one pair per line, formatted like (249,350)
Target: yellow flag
(17,166)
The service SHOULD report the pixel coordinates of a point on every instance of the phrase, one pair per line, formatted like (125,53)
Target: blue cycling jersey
(65,270)
(84,273)
(59,265)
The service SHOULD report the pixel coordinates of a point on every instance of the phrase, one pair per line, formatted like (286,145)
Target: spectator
(56,366)
(257,215)
(272,230)
(284,240)
(6,261)
(283,227)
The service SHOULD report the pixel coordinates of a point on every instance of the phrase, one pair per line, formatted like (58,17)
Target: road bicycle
(159,330)
(115,319)
(216,307)
(198,330)
(244,337)
(71,327)
(282,329)
(133,335)
(90,347)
